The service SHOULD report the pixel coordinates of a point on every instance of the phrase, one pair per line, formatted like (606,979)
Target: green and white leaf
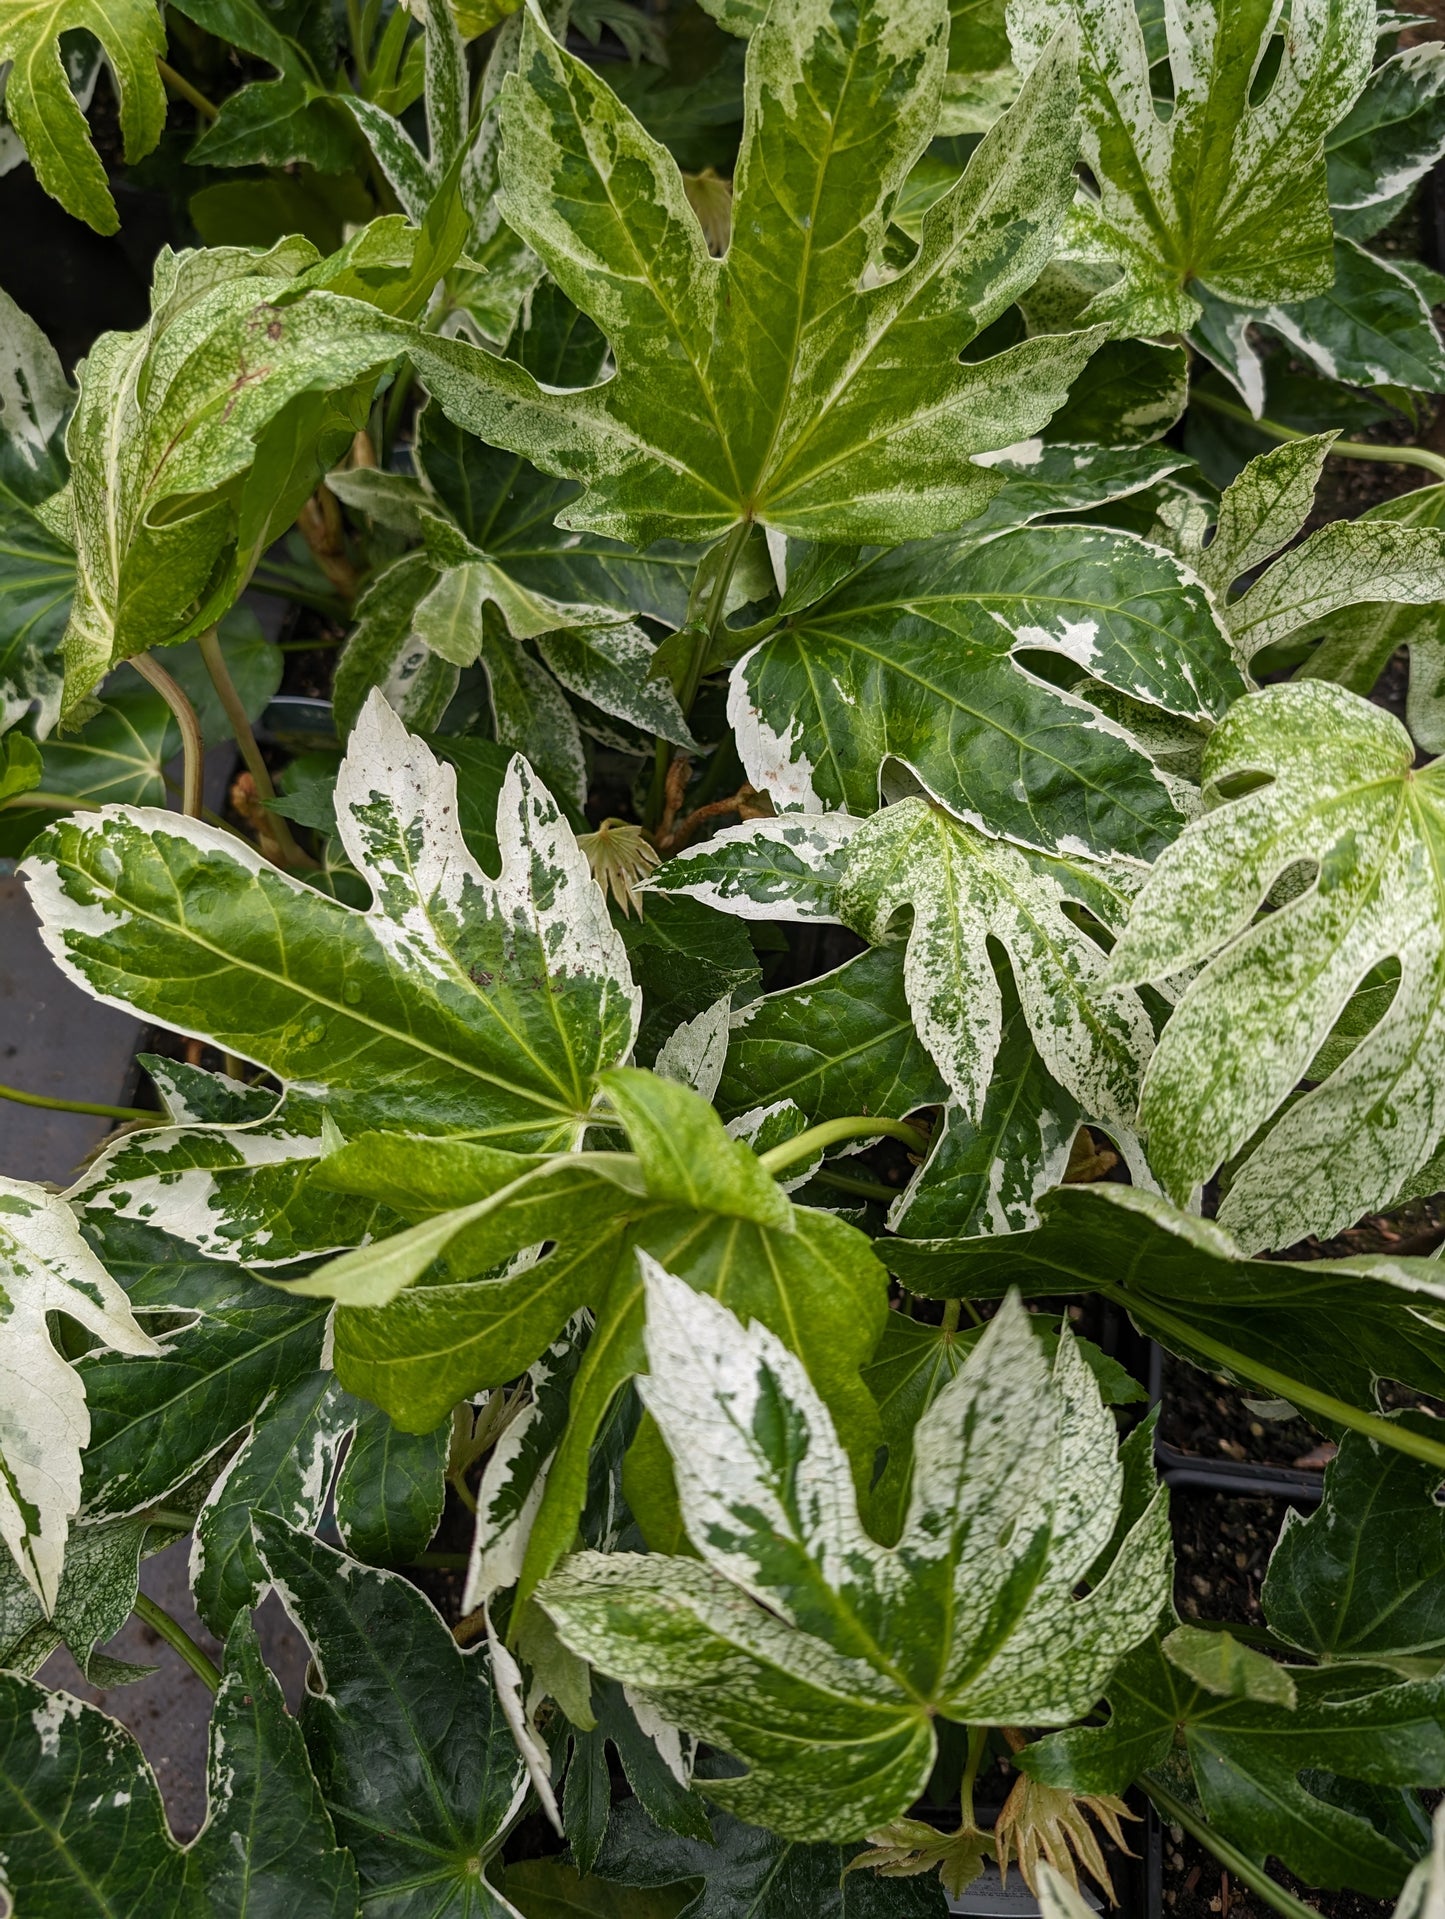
(775,385)
(44,112)
(45,1425)
(84,1824)
(37,569)
(1338,791)
(456,1004)
(1228,191)
(1389,139)
(786,868)
(921,657)
(965,890)
(95,1597)
(808,1650)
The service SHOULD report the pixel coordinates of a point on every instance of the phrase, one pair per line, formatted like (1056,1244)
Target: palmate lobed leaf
(920,655)
(788,383)
(404,1721)
(1332,785)
(816,1655)
(457,1004)
(1247,1756)
(1230,189)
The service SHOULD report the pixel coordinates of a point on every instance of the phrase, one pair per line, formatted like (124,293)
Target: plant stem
(277,825)
(716,608)
(79,1106)
(176,1636)
(1341,450)
(193,746)
(394,408)
(1400,1438)
(67,802)
(1243,1868)
(173,1522)
(952,1313)
(977,1741)
(860,1188)
(818,1138)
(184,90)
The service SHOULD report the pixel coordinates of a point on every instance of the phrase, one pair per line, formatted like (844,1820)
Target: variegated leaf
(921,655)
(964,890)
(1337,792)
(751,388)
(803,1646)
(46,1267)
(456,1004)
(1227,190)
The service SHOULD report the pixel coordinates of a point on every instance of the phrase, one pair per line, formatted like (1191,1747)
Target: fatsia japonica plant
(746,693)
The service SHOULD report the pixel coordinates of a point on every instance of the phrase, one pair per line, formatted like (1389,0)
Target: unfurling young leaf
(809,1651)
(797,386)
(1329,782)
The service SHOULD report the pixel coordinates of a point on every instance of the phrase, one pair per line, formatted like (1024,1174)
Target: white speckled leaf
(786,868)
(1227,190)
(46,1267)
(1016,1489)
(1338,792)
(787,384)
(455,1004)
(964,890)
(1262,510)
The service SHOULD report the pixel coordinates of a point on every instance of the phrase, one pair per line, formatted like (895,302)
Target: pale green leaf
(1222,1665)
(44,112)
(1337,791)
(691,1196)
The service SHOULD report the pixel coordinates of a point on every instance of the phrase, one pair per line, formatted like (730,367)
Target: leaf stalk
(277,825)
(818,1138)
(100,1110)
(176,1637)
(193,745)
(1243,1867)
(1384,1431)
(1341,450)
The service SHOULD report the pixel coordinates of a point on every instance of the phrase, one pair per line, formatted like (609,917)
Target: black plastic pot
(1239,1476)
